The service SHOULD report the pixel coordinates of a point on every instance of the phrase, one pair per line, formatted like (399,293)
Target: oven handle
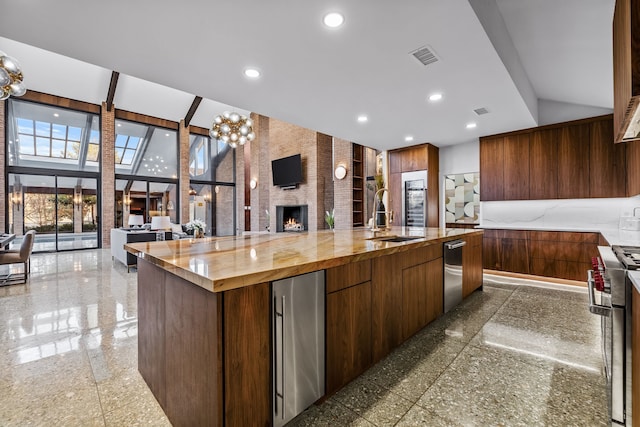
(600,310)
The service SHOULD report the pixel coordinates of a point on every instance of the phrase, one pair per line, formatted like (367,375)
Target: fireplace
(292,218)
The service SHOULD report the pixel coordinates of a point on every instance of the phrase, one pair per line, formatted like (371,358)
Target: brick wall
(325,179)
(183,173)
(107,153)
(343,189)
(286,140)
(260,170)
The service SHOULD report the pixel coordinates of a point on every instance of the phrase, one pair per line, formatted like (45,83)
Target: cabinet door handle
(279,363)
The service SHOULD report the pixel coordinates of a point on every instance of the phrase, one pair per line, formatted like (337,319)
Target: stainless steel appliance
(452,273)
(298,340)
(609,276)
(414,199)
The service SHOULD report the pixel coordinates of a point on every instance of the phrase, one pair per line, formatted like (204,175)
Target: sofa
(122,236)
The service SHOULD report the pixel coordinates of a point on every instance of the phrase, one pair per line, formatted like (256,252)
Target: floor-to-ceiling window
(52,175)
(146,165)
(212,191)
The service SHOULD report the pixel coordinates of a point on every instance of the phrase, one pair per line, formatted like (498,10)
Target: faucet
(387,213)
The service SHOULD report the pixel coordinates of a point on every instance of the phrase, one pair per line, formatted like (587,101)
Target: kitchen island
(204,345)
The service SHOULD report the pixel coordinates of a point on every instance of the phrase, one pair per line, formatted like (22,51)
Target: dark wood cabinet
(563,255)
(633,168)
(415,158)
(606,162)
(246,362)
(348,335)
(422,295)
(569,160)
(573,162)
(516,167)
(386,304)
(348,331)
(471,265)
(492,168)
(543,164)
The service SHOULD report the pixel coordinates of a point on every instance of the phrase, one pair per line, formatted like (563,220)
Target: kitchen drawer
(563,251)
(506,234)
(565,236)
(421,255)
(347,275)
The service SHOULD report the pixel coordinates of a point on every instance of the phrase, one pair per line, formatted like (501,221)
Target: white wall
(454,159)
(550,112)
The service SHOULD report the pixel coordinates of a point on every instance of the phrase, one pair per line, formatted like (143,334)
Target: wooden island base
(206,356)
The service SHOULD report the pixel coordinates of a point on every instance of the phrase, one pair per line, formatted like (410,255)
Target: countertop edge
(235,282)
(634,276)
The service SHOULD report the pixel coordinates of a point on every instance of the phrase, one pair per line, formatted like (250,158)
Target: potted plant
(198,226)
(329,218)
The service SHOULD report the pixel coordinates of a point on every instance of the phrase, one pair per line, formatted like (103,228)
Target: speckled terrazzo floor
(511,355)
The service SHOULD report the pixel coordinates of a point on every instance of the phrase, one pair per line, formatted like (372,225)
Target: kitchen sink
(397,239)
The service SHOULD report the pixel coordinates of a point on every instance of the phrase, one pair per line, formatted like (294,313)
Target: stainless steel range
(610,297)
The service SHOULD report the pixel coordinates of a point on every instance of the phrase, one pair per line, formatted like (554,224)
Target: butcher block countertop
(222,263)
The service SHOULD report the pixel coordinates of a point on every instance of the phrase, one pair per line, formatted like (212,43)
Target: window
(145,150)
(43,136)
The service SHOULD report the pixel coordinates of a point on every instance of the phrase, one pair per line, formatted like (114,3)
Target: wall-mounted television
(287,172)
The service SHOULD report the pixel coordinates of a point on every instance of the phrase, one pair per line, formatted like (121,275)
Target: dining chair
(19,256)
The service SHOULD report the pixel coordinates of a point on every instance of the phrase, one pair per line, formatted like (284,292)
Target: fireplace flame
(292,225)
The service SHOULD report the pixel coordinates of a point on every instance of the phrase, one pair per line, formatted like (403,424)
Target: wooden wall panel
(516,167)
(543,164)
(573,162)
(395,196)
(246,361)
(433,185)
(491,169)
(348,335)
(515,255)
(193,383)
(151,323)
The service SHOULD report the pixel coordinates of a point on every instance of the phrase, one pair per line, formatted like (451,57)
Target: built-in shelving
(358,185)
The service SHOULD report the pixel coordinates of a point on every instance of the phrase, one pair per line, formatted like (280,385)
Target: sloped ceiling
(502,55)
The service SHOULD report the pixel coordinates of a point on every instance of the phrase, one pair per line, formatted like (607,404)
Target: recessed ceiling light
(166,134)
(362,118)
(471,125)
(252,73)
(119,125)
(56,115)
(435,97)
(408,138)
(333,19)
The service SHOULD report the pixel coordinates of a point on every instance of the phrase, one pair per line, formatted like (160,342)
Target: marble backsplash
(567,214)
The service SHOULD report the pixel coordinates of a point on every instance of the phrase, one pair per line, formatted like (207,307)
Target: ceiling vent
(425,55)
(481,111)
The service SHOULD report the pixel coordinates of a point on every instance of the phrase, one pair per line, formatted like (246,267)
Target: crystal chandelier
(233,129)
(10,77)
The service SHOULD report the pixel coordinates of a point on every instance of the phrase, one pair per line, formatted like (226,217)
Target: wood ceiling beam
(112,89)
(192,110)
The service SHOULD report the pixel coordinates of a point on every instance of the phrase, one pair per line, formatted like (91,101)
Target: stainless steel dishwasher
(452,273)
(298,344)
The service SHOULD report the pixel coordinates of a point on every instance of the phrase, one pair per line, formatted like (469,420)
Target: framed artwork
(462,198)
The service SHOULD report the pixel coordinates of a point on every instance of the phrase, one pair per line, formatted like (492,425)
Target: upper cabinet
(409,159)
(626,70)
(570,160)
